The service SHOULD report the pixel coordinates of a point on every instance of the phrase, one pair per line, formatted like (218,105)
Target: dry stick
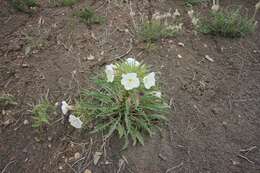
(7,166)
(244,157)
(248,149)
(175,167)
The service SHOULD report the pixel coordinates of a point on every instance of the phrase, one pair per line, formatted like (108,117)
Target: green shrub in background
(227,23)
(89,16)
(24,5)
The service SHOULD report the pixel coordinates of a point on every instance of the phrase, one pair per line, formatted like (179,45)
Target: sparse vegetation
(227,23)
(6,100)
(123,103)
(89,16)
(24,5)
(41,114)
(154,30)
(68,2)
(195,2)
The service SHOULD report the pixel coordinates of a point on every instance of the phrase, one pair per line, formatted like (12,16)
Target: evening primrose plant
(128,102)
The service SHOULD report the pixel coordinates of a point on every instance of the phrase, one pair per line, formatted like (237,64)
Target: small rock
(25,122)
(37,139)
(224,123)
(25,65)
(77,156)
(87,171)
(49,145)
(179,56)
(60,167)
(208,58)
(235,162)
(25,150)
(7,122)
(181,44)
(90,57)
(49,138)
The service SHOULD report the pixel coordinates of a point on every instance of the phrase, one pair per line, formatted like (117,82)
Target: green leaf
(158,117)
(139,137)
(113,127)
(120,130)
(100,127)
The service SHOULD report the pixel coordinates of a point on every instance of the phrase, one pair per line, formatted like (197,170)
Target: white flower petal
(110,72)
(157,94)
(65,107)
(176,13)
(130,81)
(75,121)
(132,62)
(149,80)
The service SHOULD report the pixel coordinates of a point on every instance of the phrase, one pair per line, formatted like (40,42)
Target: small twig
(244,157)
(175,167)
(7,166)
(248,149)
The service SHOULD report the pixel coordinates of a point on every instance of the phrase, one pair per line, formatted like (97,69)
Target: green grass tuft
(69,2)
(89,16)
(7,100)
(194,2)
(228,23)
(155,30)
(24,5)
(41,114)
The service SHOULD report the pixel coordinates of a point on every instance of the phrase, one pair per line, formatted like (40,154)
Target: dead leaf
(87,171)
(97,156)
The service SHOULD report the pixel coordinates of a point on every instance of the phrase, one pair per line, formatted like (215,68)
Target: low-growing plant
(24,5)
(89,16)
(6,100)
(128,101)
(41,113)
(159,26)
(194,2)
(228,23)
(68,2)
(154,30)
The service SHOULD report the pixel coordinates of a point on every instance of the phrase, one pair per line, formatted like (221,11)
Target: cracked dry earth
(214,125)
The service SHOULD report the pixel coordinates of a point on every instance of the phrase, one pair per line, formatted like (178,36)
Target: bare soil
(214,125)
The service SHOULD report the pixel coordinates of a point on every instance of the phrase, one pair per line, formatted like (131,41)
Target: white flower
(65,107)
(149,80)
(195,21)
(130,81)
(191,13)
(75,121)
(215,8)
(132,62)
(110,72)
(157,94)
(176,13)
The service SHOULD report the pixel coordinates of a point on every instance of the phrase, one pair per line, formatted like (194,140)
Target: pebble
(179,56)
(87,171)
(25,122)
(25,65)
(181,44)
(208,58)
(90,57)
(77,156)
